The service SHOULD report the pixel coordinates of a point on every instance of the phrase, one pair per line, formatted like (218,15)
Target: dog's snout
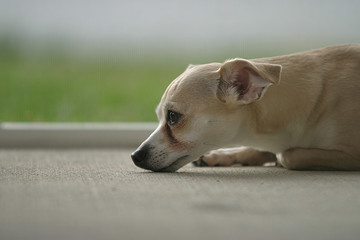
(140,155)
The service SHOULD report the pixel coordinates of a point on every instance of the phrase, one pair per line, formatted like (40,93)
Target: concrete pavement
(100,194)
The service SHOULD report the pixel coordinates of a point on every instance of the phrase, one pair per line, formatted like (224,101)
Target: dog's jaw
(177,164)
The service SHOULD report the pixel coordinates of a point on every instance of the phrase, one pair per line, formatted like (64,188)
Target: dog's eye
(173,117)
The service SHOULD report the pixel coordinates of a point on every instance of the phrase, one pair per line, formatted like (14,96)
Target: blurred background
(111,60)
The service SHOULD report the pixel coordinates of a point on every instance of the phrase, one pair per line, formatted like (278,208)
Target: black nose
(140,155)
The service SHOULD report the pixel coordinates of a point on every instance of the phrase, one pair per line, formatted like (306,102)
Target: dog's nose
(139,155)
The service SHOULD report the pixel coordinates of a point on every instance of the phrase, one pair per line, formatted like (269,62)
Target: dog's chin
(176,165)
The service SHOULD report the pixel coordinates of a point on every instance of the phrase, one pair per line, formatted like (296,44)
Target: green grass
(51,86)
(62,89)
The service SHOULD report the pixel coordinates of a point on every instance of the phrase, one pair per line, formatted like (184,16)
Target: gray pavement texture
(100,194)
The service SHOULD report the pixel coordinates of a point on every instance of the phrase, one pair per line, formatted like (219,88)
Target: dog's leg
(229,156)
(317,159)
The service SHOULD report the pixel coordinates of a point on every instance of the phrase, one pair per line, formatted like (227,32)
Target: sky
(182,26)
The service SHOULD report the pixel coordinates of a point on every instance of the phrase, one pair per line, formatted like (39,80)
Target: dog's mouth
(178,163)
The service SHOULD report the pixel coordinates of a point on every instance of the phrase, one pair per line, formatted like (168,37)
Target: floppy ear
(244,81)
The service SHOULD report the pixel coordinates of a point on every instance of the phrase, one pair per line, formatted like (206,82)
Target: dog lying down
(301,111)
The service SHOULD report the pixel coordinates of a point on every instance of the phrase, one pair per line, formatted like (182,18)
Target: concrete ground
(100,194)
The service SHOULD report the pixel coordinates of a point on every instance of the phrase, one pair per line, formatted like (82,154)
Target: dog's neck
(266,125)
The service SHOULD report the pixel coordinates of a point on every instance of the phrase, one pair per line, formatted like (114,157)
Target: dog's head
(201,110)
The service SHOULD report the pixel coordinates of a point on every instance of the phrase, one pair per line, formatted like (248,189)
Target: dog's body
(304,107)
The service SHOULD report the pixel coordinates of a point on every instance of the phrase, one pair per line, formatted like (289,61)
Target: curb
(73,135)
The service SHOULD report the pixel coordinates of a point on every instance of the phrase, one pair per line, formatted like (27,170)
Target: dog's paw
(200,162)
(280,161)
(283,160)
(215,158)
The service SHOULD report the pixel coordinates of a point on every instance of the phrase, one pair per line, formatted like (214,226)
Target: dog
(301,111)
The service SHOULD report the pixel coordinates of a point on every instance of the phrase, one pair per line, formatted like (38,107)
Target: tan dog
(304,107)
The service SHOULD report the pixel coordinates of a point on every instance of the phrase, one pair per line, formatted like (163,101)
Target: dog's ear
(244,81)
(190,66)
